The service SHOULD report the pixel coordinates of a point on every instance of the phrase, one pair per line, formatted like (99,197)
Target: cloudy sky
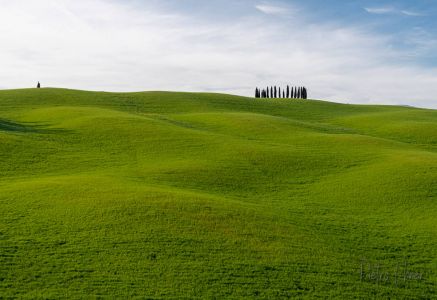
(351,51)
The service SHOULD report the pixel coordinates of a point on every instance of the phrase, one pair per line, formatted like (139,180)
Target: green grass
(182,195)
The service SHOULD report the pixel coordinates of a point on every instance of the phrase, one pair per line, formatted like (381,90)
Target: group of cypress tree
(289,93)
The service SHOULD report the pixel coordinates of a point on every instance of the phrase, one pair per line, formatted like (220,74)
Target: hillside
(169,195)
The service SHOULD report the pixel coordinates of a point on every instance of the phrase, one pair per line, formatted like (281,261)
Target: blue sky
(348,51)
(409,24)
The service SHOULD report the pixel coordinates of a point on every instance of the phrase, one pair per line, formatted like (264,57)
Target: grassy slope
(196,195)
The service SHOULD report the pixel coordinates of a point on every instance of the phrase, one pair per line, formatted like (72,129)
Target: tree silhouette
(287,92)
(305,93)
(38,86)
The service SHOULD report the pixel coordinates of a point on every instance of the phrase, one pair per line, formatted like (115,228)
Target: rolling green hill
(183,195)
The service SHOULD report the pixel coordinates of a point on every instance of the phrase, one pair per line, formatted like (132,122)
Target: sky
(350,51)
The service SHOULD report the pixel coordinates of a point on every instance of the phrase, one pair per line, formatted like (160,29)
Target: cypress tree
(267,93)
(288,91)
(279,92)
(256,93)
(276,92)
(272,95)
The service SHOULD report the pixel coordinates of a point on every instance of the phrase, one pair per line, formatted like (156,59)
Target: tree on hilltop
(304,93)
(287,92)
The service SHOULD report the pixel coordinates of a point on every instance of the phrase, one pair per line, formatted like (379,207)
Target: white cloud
(380,10)
(412,13)
(107,45)
(272,9)
(392,10)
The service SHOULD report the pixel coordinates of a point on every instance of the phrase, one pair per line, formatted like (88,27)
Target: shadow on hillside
(10,126)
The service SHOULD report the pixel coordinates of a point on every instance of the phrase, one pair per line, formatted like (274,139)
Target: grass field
(182,195)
